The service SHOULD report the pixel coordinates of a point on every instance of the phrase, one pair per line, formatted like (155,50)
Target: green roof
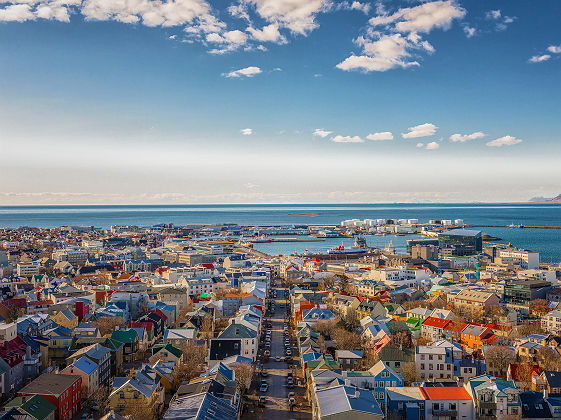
(124,336)
(173,350)
(36,406)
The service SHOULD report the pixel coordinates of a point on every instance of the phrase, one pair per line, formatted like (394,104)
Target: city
(280,210)
(194,322)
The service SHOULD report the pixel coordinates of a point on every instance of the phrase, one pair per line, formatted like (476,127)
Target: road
(277,406)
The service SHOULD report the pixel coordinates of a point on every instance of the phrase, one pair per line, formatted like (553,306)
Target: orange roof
(445,393)
(238,295)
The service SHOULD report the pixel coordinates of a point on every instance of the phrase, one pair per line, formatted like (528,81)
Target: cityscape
(195,321)
(280,210)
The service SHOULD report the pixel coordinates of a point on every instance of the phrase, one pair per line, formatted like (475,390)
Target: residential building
(63,391)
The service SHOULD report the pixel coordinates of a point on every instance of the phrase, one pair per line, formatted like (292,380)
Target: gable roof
(346,399)
(173,350)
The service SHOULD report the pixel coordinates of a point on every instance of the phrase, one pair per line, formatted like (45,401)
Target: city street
(277,406)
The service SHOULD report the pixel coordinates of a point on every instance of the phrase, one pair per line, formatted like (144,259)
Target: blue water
(546,241)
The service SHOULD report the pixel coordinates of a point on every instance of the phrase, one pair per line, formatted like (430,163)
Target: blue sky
(105,101)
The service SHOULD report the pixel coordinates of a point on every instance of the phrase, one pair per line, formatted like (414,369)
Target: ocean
(545,241)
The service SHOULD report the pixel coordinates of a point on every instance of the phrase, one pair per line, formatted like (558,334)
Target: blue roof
(341,399)
(85,365)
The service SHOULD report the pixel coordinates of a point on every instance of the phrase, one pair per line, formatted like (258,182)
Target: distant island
(543,200)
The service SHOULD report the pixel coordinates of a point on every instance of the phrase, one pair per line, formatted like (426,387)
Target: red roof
(12,351)
(160,314)
(146,325)
(19,303)
(40,302)
(438,393)
(436,322)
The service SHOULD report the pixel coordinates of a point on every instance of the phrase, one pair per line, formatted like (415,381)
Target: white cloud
(423,18)
(501,20)
(400,36)
(16,13)
(420,145)
(296,15)
(384,135)
(246,131)
(269,33)
(385,53)
(432,145)
(347,139)
(230,41)
(245,72)
(320,132)
(554,49)
(469,31)
(493,14)
(149,12)
(354,5)
(462,138)
(422,130)
(539,58)
(363,7)
(503,141)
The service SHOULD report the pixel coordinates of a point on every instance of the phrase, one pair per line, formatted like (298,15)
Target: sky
(279,101)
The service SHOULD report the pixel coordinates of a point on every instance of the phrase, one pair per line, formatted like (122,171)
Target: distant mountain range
(553,200)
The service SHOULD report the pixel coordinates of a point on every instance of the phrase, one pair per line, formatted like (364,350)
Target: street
(277,406)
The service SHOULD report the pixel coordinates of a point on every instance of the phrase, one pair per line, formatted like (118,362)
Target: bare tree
(412,304)
(207,327)
(524,376)
(325,327)
(244,375)
(409,372)
(548,359)
(347,340)
(538,307)
(193,363)
(369,359)
(107,324)
(138,410)
(529,328)
(496,313)
(101,398)
(498,357)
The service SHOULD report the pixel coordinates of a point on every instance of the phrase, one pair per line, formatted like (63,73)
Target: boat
(260,240)
(347,250)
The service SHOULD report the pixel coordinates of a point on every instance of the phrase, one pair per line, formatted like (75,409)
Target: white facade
(27,269)
(526,259)
(551,322)
(435,409)
(399,276)
(198,286)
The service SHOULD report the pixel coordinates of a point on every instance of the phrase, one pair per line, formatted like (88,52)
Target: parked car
(278,359)
(264,387)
